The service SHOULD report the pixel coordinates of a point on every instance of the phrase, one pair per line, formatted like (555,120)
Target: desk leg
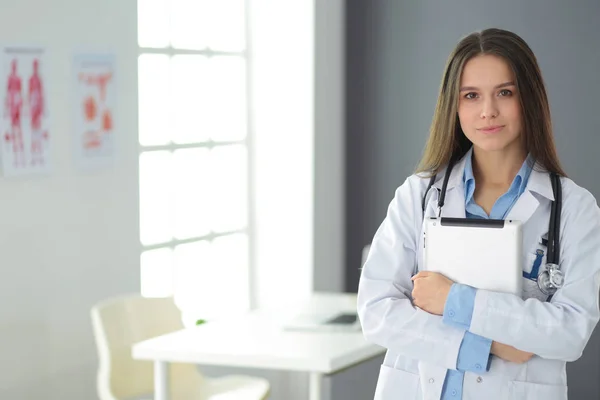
(315,385)
(161,380)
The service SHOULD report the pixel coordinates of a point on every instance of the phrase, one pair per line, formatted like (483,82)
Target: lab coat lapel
(454,203)
(524,207)
(539,182)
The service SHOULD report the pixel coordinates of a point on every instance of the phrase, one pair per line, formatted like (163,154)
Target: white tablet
(483,253)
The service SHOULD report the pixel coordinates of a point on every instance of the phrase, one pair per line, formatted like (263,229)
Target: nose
(489,109)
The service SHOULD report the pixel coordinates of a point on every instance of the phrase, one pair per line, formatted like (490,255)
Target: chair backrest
(120,322)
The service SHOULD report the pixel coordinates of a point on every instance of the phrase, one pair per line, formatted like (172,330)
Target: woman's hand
(509,353)
(430,291)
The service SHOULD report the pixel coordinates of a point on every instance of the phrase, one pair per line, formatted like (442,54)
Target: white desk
(258,340)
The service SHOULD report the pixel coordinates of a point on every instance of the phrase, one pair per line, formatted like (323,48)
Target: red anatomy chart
(35,98)
(25,134)
(14,109)
(94,108)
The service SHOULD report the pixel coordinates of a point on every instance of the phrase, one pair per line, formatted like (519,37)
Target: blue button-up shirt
(474,353)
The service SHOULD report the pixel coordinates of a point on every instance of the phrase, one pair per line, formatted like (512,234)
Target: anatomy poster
(94,76)
(25,134)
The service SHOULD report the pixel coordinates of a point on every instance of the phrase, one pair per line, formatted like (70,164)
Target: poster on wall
(24,103)
(94,109)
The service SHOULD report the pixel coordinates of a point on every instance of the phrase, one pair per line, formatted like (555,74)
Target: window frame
(247,143)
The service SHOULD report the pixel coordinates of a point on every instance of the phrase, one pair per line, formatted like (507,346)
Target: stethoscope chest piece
(551,279)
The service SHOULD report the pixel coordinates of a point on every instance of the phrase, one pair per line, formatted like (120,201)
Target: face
(488,106)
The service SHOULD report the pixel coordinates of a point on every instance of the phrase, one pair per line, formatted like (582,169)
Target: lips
(491,129)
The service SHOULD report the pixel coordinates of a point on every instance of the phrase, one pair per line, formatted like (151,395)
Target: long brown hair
(446,138)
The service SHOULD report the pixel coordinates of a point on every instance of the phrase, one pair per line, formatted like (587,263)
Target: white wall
(71,238)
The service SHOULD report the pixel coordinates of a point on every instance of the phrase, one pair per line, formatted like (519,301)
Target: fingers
(421,274)
(416,303)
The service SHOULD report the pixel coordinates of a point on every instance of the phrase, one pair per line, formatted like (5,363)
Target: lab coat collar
(454,203)
(456,175)
(539,182)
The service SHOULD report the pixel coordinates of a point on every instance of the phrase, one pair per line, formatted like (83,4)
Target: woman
(492,118)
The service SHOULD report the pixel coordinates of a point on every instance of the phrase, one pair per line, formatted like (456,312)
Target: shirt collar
(519,182)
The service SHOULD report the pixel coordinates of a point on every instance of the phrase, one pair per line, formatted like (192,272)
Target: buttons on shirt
(431,380)
(479,379)
(451,313)
(477,366)
(454,393)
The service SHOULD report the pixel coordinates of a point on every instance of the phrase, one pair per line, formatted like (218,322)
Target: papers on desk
(337,322)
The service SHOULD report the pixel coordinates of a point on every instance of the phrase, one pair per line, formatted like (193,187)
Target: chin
(489,146)
(493,144)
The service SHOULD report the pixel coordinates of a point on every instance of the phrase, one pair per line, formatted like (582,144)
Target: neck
(497,168)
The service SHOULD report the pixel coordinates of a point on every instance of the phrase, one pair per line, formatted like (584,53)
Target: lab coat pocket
(535,263)
(534,391)
(396,384)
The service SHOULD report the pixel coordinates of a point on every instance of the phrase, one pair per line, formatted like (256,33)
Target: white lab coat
(421,348)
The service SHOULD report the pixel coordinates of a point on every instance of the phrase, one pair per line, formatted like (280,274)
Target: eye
(505,92)
(471,95)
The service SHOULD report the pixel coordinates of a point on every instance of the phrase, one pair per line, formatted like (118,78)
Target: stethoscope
(552,278)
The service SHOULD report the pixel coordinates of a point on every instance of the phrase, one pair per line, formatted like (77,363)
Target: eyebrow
(505,84)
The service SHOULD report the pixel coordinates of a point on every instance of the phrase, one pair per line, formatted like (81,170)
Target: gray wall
(395,54)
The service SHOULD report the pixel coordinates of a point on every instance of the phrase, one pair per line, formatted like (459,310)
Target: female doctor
(445,340)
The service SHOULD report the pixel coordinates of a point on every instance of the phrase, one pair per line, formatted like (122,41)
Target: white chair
(120,322)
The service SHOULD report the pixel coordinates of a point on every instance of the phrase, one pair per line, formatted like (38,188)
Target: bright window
(194,158)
